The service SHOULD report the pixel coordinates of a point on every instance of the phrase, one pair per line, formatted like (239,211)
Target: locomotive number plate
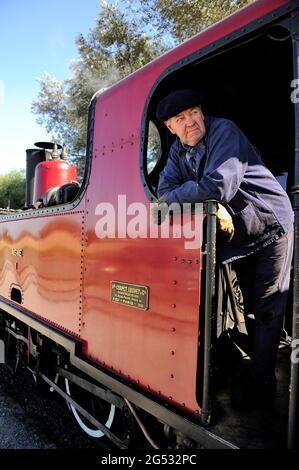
(131,295)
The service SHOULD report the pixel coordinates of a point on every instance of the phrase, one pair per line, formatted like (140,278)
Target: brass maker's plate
(131,295)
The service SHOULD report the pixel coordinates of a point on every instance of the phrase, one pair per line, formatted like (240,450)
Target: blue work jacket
(230,171)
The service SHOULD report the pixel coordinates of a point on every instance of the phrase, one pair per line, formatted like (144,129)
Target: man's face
(188,126)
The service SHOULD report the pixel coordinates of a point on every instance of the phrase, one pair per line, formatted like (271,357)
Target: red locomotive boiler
(120,318)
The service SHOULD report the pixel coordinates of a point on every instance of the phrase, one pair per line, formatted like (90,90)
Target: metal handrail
(210,289)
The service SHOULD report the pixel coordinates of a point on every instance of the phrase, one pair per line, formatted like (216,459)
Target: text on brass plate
(132,295)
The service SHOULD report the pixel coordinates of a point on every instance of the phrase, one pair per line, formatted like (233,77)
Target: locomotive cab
(239,83)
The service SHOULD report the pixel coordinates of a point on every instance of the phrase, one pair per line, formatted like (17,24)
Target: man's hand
(160,210)
(225,222)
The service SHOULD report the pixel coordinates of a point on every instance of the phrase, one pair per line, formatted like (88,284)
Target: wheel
(104,412)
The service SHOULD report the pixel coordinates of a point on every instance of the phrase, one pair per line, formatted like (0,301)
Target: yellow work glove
(225,222)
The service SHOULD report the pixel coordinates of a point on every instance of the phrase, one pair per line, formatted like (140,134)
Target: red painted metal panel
(158,348)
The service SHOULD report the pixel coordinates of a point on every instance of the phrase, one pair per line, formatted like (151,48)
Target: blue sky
(36,36)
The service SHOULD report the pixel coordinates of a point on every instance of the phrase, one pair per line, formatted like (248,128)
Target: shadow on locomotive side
(138,327)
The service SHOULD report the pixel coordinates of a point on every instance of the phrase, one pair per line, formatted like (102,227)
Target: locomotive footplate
(100,392)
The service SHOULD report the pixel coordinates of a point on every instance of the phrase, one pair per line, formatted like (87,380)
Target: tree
(12,190)
(181,19)
(112,50)
(126,36)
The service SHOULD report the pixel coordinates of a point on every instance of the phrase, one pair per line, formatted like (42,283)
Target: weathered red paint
(66,270)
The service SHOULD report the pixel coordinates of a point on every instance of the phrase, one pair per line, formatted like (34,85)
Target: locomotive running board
(192,430)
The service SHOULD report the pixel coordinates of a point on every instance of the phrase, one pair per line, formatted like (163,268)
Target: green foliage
(12,189)
(112,50)
(127,35)
(181,19)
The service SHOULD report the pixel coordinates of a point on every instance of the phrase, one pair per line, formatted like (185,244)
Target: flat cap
(176,102)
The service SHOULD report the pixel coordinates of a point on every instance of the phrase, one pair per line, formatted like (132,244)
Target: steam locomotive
(127,322)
